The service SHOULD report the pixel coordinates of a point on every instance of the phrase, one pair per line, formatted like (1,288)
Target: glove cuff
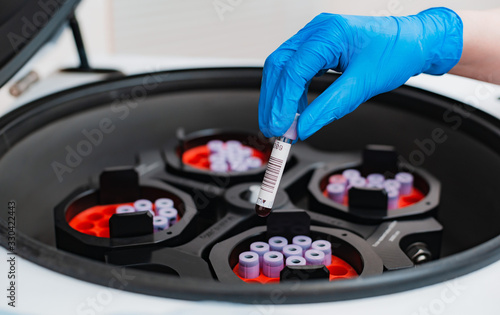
(442,39)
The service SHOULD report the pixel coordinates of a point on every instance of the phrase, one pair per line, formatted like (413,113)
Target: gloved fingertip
(280,123)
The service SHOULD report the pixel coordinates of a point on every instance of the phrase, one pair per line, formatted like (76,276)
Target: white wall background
(222,28)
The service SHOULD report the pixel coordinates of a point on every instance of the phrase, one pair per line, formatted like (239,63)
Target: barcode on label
(272,174)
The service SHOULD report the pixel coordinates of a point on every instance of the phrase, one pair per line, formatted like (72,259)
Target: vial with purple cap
(351,174)
(336,192)
(375,178)
(125,209)
(314,257)
(406,181)
(260,248)
(292,250)
(303,241)
(295,261)
(248,265)
(272,264)
(326,248)
(277,243)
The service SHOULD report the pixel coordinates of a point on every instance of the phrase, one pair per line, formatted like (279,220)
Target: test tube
(314,257)
(392,184)
(125,209)
(336,192)
(219,167)
(144,205)
(326,248)
(275,168)
(303,241)
(253,162)
(235,157)
(375,178)
(357,182)
(406,181)
(170,214)
(337,179)
(233,145)
(277,243)
(375,185)
(272,264)
(292,250)
(164,203)
(295,261)
(246,151)
(260,248)
(248,265)
(392,198)
(351,174)
(160,223)
(215,145)
(238,167)
(217,158)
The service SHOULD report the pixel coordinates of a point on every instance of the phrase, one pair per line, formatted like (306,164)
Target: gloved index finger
(270,77)
(311,58)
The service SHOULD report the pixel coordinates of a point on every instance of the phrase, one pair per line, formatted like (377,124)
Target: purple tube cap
(295,261)
(273,259)
(249,259)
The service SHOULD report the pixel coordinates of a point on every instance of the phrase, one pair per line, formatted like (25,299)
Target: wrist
(442,39)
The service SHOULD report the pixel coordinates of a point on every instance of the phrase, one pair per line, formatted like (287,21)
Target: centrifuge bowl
(146,110)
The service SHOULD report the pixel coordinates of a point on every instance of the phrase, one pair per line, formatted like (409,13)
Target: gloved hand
(374,54)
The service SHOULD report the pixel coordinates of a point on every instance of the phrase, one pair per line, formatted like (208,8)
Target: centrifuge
(135,193)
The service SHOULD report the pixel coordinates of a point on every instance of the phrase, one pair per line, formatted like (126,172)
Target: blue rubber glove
(374,54)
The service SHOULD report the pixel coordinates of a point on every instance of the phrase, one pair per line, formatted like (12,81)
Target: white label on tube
(274,171)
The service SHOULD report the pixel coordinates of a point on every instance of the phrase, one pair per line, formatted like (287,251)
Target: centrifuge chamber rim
(190,289)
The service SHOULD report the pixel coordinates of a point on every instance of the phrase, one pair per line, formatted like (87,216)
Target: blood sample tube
(375,185)
(221,167)
(337,179)
(295,261)
(249,265)
(144,205)
(392,184)
(336,192)
(238,167)
(164,203)
(217,158)
(406,181)
(215,146)
(125,209)
(274,171)
(253,162)
(292,250)
(233,145)
(357,182)
(246,151)
(326,248)
(375,178)
(277,243)
(160,223)
(314,257)
(272,264)
(170,214)
(303,241)
(351,174)
(392,198)
(260,248)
